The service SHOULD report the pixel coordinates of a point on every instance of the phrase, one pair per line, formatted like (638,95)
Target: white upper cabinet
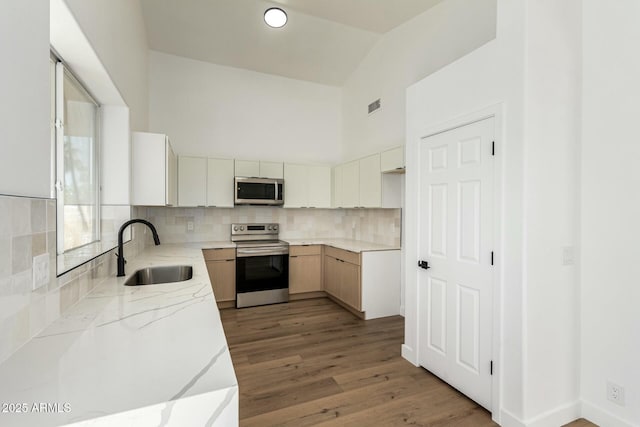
(154,170)
(392,161)
(220,174)
(271,170)
(337,186)
(351,185)
(192,180)
(370,191)
(307,186)
(319,187)
(248,168)
(259,169)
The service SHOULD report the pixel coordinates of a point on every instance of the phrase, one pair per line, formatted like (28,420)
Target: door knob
(423,264)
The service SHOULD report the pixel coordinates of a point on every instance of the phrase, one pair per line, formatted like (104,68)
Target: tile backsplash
(28,229)
(213,224)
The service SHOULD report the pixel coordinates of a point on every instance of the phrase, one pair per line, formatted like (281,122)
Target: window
(77,161)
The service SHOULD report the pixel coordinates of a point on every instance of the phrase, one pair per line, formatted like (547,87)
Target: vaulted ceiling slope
(323,41)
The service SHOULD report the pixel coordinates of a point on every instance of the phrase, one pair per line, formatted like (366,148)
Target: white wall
(219,111)
(402,57)
(116,31)
(489,76)
(610,294)
(551,188)
(25,143)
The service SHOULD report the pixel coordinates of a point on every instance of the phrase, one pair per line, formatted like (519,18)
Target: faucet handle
(118,256)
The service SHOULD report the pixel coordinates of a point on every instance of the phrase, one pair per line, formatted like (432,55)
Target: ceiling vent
(374,106)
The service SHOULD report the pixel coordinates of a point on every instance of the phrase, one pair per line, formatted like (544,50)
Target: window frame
(61,69)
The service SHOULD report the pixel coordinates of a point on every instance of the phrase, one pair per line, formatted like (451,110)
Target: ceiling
(323,41)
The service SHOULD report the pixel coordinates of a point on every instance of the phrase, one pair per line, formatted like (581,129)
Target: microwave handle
(276,184)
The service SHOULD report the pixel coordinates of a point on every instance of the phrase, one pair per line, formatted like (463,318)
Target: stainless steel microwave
(258,191)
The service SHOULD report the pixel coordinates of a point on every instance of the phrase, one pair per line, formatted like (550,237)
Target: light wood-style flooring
(311,362)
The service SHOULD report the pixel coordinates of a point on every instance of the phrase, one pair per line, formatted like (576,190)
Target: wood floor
(311,362)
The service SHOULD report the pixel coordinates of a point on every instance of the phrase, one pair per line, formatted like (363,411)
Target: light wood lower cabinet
(366,283)
(221,264)
(305,269)
(342,276)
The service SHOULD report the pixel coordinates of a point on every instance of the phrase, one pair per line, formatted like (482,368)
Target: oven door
(262,279)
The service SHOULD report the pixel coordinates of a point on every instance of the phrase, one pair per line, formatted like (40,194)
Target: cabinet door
(338,172)
(370,182)
(271,170)
(350,284)
(247,168)
(296,186)
(149,164)
(223,279)
(351,185)
(392,160)
(305,273)
(192,181)
(171,185)
(319,186)
(220,174)
(331,282)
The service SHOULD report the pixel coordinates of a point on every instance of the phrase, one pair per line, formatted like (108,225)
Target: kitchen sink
(155,275)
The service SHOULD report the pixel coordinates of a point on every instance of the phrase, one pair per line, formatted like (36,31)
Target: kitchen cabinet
(305,269)
(259,169)
(221,265)
(342,276)
(350,197)
(367,282)
(307,186)
(392,161)
(192,179)
(220,174)
(337,185)
(154,170)
(370,189)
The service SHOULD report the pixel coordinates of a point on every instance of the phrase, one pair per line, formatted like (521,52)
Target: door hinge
(491,257)
(493,148)
(491,368)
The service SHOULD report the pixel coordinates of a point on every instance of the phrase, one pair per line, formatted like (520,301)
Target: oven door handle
(244,253)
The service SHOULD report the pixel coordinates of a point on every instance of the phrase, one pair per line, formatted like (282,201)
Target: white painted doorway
(455,289)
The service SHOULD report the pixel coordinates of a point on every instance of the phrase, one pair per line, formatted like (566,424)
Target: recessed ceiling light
(275,17)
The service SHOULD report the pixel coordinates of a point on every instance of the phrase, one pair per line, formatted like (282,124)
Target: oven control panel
(254,229)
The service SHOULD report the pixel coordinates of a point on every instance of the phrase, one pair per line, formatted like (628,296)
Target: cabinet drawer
(305,250)
(348,256)
(219,254)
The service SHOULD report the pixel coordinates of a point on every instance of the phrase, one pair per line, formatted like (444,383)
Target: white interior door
(456,230)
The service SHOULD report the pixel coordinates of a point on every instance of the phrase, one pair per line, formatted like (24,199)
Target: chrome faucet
(120,254)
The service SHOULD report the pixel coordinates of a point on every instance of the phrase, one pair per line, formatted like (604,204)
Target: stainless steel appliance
(259,191)
(262,265)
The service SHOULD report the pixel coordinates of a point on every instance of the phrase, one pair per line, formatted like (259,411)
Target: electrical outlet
(568,255)
(190,226)
(615,393)
(40,270)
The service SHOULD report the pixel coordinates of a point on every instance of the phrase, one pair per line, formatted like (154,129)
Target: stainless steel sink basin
(155,275)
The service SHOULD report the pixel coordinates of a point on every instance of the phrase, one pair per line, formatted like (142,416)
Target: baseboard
(409,355)
(602,417)
(307,295)
(507,419)
(556,417)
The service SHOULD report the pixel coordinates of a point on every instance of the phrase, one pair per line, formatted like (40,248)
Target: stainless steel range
(262,265)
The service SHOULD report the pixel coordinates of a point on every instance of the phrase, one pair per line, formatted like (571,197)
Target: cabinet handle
(293,256)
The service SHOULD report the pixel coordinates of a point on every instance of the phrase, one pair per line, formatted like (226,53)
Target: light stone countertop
(346,244)
(157,351)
